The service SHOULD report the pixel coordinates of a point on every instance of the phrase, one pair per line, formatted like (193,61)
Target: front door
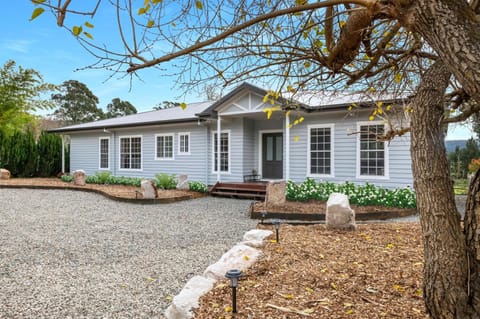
(272,155)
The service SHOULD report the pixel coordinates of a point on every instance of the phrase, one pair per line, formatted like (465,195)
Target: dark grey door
(272,157)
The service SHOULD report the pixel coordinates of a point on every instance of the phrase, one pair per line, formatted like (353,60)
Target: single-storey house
(318,138)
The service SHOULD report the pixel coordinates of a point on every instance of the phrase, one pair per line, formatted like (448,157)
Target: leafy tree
(118,108)
(20,95)
(76,103)
(461,158)
(428,46)
(166,105)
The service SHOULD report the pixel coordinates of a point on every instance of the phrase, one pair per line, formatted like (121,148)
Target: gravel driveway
(67,254)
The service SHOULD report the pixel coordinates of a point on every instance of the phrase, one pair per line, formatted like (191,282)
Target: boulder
(149,190)
(339,214)
(276,193)
(187,299)
(239,256)
(4,173)
(182,183)
(79,177)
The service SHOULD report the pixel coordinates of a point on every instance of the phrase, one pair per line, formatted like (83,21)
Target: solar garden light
(233,275)
(276,222)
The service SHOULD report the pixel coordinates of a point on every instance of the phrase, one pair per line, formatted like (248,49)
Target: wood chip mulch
(373,272)
(319,207)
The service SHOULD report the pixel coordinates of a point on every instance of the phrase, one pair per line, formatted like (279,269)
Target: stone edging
(112,197)
(241,256)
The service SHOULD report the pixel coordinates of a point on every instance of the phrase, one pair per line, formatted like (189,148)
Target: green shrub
(67,178)
(198,187)
(103,177)
(49,148)
(361,195)
(165,181)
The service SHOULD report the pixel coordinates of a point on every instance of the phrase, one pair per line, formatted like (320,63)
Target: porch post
(219,133)
(63,153)
(287,145)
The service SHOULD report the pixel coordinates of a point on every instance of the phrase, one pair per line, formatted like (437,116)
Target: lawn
(460,186)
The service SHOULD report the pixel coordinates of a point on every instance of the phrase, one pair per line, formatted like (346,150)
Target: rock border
(100,192)
(241,256)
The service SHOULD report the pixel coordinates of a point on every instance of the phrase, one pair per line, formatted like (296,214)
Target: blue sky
(53,52)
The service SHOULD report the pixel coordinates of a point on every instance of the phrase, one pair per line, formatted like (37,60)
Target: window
(104,153)
(320,153)
(131,152)
(164,146)
(224,152)
(184,143)
(372,161)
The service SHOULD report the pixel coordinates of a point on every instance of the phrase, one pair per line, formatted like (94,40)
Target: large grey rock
(276,193)
(183,303)
(182,183)
(339,214)
(79,177)
(149,190)
(4,173)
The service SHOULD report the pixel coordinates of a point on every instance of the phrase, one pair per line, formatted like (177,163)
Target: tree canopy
(76,103)
(20,96)
(117,108)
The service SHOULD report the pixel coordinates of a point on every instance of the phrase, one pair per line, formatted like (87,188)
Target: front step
(256,191)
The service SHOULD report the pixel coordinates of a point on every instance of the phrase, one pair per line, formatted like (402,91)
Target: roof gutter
(106,127)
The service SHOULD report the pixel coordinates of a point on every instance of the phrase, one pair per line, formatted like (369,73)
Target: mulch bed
(315,211)
(117,192)
(373,272)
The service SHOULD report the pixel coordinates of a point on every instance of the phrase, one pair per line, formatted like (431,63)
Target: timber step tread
(246,195)
(242,190)
(227,188)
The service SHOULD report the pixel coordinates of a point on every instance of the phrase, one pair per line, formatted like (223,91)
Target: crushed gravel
(69,254)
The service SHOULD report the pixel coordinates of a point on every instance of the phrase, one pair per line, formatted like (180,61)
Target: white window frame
(386,153)
(180,151)
(120,153)
(229,152)
(332,150)
(173,147)
(100,153)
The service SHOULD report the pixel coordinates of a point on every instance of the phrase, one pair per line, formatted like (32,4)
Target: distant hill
(452,145)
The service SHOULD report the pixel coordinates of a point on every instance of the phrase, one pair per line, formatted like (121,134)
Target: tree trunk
(472,234)
(452,29)
(446,272)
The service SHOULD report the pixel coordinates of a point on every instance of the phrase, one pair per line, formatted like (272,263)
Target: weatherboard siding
(235,174)
(345,152)
(85,152)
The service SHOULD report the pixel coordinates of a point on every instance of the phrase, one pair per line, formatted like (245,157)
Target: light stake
(277,226)
(233,275)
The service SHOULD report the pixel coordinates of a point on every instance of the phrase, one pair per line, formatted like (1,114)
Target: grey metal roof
(164,116)
(313,101)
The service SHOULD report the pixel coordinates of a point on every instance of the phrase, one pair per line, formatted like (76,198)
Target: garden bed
(116,192)
(314,210)
(374,272)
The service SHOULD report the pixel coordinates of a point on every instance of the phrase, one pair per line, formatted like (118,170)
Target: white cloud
(19,46)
